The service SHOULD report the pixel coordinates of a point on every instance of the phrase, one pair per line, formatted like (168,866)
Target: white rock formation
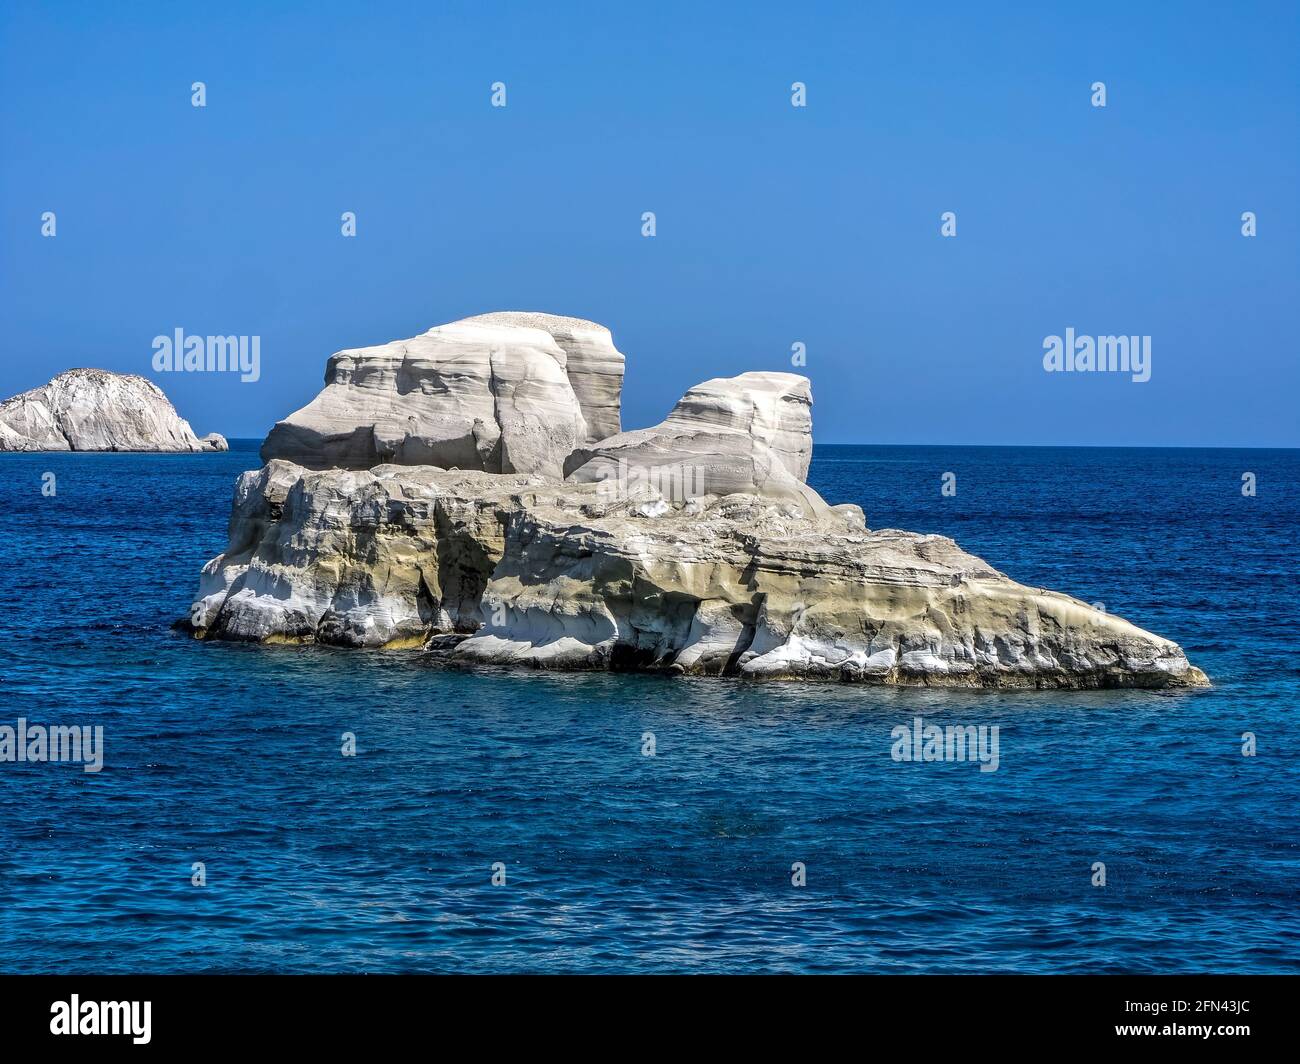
(95,410)
(505,392)
(751,433)
(525,569)
(709,555)
(593,364)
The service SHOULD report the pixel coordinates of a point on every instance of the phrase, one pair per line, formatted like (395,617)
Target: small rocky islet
(95,410)
(471,491)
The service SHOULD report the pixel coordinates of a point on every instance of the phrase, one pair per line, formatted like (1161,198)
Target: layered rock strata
(751,433)
(503,393)
(421,501)
(523,569)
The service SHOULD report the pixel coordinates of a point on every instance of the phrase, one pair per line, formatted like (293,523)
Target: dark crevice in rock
(749,618)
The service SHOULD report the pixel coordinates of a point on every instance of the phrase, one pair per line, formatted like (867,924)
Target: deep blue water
(230,755)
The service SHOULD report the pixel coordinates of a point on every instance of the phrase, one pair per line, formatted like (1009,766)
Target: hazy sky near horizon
(775,224)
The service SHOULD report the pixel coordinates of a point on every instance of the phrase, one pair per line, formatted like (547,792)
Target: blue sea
(614,861)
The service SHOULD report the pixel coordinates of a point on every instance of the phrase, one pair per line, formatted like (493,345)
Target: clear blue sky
(775,224)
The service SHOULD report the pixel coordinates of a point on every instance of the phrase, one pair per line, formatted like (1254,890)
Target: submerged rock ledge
(522,569)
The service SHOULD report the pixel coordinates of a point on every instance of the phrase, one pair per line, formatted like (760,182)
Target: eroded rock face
(593,364)
(95,410)
(505,392)
(693,546)
(751,434)
(522,569)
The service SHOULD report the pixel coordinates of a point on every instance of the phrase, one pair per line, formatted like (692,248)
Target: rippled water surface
(230,755)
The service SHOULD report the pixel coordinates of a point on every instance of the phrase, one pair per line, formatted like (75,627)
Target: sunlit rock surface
(504,392)
(95,410)
(523,569)
(420,502)
(751,433)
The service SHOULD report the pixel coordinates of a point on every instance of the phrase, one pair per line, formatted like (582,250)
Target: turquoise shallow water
(615,861)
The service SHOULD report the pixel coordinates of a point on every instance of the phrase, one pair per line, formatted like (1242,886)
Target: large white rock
(711,555)
(593,364)
(505,392)
(521,569)
(751,433)
(95,410)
